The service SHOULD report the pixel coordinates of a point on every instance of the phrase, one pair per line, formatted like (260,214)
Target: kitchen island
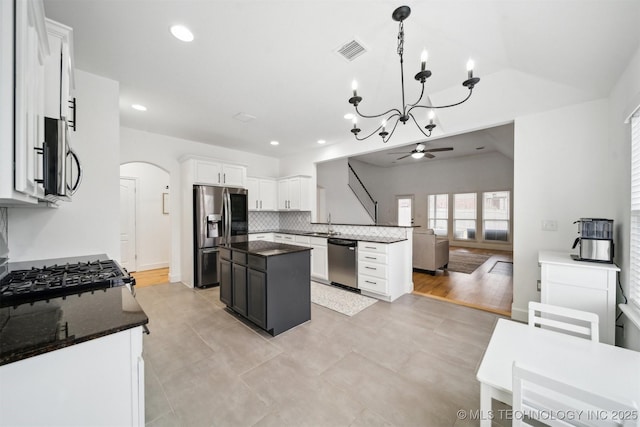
(267,283)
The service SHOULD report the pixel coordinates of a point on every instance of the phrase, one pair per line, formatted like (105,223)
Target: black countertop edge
(37,350)
(372,239)
(265,249)
(368,225)
(32,329)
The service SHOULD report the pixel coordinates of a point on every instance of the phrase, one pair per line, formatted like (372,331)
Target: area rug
(339,300)
(466,263)
(502,267)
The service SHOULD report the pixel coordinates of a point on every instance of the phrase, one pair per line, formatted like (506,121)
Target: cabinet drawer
(372,284)
(239,257)
(257,262)
(372,247)
(288,238)
(302,240)
(267,237)
(372,257)
(584,277)
(318,241)
(371,269)
(225,253)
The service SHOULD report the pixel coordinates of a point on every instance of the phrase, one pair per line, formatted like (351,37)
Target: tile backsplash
(301,221)
(4,233)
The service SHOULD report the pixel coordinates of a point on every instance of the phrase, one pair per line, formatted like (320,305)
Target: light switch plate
(549,225)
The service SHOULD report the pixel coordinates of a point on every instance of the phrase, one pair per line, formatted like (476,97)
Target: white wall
(566,167)
(624,99)
(90,223)
(164,151)
(153,227)
(483,172)
(340,201)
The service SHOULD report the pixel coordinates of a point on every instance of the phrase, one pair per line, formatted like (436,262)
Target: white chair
(557,404)
(565,319)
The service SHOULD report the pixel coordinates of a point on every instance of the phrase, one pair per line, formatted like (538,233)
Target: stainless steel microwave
(63,172)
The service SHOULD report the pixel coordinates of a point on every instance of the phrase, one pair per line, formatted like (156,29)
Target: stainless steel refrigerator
(220,215)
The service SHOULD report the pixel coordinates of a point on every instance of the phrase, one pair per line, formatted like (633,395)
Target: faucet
(329,230)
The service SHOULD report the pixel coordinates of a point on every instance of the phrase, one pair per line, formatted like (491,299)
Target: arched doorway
(145,227)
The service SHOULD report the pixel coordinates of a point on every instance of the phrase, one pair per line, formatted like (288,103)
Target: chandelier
(407,111)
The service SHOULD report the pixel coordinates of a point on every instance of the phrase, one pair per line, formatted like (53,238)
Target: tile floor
(408,363)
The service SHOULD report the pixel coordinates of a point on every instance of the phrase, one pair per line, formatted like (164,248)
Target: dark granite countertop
(31,329)
(359,237)
(265,249)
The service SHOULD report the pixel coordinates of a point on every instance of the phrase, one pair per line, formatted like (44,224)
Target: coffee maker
(596,240)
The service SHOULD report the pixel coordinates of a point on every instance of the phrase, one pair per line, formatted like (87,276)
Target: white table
(613,372)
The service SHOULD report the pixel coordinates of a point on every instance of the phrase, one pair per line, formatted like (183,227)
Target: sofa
(430,252)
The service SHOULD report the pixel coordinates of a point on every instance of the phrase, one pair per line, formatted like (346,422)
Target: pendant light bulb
(423,59)
(470,65)
(354,87)
(432,115)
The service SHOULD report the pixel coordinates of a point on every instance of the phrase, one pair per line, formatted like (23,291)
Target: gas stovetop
(52,281)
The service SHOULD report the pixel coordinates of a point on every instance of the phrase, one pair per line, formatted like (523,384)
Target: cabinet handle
(73,105)
(369,247)
(44,152)
(373,283)
(370,257)
(224,178)
(218,177)
(260,204)
(371,268)
(256,204)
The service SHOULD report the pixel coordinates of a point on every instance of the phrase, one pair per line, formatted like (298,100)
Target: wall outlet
(549,225)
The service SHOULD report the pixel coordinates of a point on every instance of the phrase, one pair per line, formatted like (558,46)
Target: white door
(128,223)
(405,210)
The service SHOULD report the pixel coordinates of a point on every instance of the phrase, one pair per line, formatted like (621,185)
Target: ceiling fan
(420,152)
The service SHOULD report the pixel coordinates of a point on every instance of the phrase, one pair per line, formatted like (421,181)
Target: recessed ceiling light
(321,141)
(348,116)
(275,143)
(182,33)
(139,107)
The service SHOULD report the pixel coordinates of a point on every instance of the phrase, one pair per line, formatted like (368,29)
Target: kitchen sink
(316,234)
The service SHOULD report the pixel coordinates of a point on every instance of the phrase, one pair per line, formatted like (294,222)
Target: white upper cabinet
(22,123)
(212,172)
(294,193)
(262,194)
(59,76)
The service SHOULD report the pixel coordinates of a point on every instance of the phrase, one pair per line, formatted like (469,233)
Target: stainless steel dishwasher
(343,262)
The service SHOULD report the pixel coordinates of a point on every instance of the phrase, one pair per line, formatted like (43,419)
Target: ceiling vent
(351,50)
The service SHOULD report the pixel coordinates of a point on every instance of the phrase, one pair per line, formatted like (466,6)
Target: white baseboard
(519,314)
(174,277)
(152,266)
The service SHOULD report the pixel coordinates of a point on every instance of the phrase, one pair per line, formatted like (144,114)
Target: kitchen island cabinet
(267,283)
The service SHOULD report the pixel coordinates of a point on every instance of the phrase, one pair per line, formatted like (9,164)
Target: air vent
(351,50)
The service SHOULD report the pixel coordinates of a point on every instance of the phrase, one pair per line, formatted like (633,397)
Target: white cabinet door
(283,194)
(267,190)
(319,262)
(295,196)
(253,187)
(59,72)
(233,175)
(208,172)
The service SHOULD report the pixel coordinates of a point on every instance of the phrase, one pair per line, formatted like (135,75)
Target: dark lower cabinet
(274,292)
(257,297)
(225,282)
(239,289)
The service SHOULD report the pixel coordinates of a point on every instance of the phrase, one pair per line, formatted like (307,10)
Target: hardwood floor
(481,289)
(151,277)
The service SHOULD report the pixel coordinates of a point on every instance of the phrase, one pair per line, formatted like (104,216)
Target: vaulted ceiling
(275,60)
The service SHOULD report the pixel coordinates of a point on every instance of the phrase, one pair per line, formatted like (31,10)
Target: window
(495,215)
(634,296)
(464,216)
(438,213)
